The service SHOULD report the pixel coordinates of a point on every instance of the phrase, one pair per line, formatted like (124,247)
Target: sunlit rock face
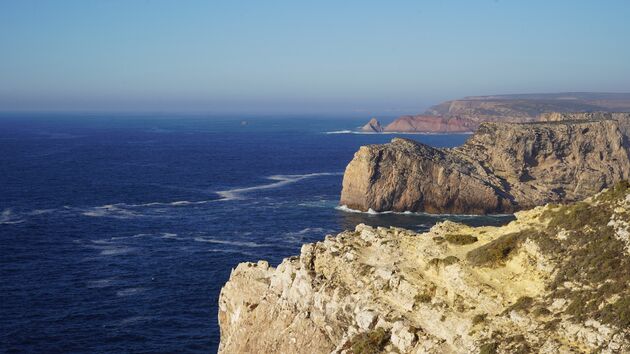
(554,280)
(503,167)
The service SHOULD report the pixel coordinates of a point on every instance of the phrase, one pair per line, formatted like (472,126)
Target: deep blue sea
(117,232)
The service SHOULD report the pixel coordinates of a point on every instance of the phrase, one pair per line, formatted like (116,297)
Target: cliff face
(454,289)
(427,123)
(465,115)
(501,168)
(622,118)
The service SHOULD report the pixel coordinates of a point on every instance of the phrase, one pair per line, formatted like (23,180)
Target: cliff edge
(554,280)
(502,168)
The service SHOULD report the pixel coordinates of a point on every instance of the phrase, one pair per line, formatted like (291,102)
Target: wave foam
(389,133)
(371,211)
(281,180)
(129,291)
(7,217)
(232,243)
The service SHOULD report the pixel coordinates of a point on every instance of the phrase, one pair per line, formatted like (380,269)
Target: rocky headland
(466,114)
(555,280)
(502,168)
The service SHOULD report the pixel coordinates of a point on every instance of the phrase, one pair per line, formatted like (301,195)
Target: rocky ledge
(502,168)
(554,280)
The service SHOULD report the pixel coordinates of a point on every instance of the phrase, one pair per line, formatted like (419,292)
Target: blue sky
(372,57)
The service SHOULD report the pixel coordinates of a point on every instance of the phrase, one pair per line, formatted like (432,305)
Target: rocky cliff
(502,168)
(428,123)
(623,118)
(465,115)
(554,280)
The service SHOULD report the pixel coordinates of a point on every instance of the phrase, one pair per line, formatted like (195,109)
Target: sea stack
(502,168)
(373,126)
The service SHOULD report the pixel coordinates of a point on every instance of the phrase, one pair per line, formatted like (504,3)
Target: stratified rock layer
(554,280)
(502,168)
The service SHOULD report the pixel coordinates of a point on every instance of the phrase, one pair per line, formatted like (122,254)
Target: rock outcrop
(623,118)
(465,115)
(501,168)
(555,280)
(428,123)
(373,126)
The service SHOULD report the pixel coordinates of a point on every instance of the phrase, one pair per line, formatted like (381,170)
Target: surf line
(280,181)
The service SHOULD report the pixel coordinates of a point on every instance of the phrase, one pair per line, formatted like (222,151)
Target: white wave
(233,251)
(232,243)
(41,211)
(116,251)
(170,235)
(308,230)
(7,217)
(101,283)
(129,291)
(112,211)
(281,180)
(397,133)
(370,211)
(348,210)
(340,132)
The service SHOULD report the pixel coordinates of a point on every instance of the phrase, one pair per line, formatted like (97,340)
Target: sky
(292,56)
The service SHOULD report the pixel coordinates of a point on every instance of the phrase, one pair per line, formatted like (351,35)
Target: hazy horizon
(283,57)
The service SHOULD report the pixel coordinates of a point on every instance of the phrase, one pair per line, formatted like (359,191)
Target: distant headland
(466,114)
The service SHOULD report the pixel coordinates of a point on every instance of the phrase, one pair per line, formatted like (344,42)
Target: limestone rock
(502,168)
(518,288)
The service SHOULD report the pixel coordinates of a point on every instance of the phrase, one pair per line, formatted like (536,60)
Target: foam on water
(8,217)
(232,243)
(281,180)
(130,291)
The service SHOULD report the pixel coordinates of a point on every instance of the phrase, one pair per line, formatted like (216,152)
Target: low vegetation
(371,342)
(460,239)
(496,251)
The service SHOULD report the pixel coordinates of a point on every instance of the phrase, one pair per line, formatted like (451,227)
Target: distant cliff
(465,115)
(555,280)
(502,168)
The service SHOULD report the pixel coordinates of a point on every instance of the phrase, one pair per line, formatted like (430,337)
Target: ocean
(118,231)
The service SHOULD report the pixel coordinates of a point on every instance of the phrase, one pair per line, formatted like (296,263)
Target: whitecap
(281,180)
(116,251)
(397,133)
(100,283)
(233,251)
(371,211)
(232,243)
(112,211)
(7,217)
(308,230)
(130,291)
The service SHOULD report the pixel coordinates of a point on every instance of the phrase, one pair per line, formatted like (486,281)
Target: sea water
(117,232)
